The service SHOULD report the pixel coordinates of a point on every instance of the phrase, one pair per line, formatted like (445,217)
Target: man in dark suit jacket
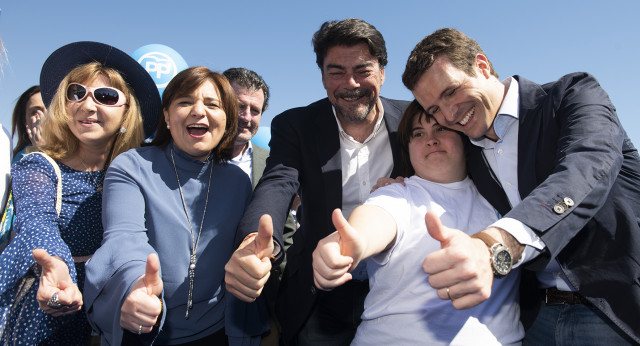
(313,150)
(554,160)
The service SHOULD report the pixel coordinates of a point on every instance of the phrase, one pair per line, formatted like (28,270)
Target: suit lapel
(392,120)
(485,179)
(258,163)
(327,142)
(529,134)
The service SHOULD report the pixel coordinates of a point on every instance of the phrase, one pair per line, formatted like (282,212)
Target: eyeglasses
(105,96)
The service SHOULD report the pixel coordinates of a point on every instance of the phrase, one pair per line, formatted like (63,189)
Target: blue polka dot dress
(76,232)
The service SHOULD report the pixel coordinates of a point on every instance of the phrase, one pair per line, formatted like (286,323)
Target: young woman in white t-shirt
(390,233)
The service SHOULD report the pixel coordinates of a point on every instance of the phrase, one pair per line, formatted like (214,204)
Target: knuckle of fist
(457,254)
(467,272)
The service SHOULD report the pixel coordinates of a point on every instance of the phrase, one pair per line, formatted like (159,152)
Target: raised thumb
(436,230)
(346,232)
(152,279)
(264,239)
(43,258)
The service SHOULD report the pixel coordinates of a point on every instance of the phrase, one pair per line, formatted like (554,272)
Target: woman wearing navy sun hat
(100,102)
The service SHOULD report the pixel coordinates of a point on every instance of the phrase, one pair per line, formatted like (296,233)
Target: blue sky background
(540,40)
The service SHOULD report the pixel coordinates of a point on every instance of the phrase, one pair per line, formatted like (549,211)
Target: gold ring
(448,295)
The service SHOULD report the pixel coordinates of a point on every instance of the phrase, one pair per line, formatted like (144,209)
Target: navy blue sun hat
(68,57)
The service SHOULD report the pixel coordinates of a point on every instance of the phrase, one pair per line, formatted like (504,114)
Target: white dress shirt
(362,165)
(244,161)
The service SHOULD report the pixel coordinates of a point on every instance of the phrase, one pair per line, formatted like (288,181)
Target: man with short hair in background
(253,99)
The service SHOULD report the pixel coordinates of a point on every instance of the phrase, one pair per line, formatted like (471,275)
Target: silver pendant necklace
(194,240)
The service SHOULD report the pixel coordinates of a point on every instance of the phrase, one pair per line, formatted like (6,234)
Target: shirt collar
(376,128)
(245,153)
(507,113)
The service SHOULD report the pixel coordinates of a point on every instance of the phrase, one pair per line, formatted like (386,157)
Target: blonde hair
(60,143)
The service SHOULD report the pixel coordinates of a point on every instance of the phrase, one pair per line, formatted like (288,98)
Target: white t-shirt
(402,308)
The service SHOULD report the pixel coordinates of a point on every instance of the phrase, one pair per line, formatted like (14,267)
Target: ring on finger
(53,301)
(140,330)
(449,295)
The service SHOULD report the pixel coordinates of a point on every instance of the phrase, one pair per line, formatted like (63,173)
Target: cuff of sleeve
(524,235)
(276,250)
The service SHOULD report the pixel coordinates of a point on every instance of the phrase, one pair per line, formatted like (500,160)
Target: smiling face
(249,112)
(91,123)
(436,153)
(352,78)
(197,121)
(461,102)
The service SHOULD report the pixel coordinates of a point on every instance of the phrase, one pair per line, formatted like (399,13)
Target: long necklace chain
(194,241)
(98,186)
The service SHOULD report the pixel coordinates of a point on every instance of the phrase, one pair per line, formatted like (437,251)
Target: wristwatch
(500,256)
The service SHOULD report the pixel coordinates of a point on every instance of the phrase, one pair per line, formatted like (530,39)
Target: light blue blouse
(143,214)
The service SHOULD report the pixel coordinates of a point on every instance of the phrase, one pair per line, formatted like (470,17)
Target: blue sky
(540,40)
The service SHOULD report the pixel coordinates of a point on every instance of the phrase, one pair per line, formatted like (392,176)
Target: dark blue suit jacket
(571,144)
(305,157)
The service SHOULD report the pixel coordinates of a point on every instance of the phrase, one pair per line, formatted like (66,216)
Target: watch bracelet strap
(492,244)
(487,239)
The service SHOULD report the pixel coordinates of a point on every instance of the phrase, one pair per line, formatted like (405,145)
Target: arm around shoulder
(580,141)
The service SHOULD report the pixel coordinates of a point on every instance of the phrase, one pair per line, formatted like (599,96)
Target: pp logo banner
(162,63)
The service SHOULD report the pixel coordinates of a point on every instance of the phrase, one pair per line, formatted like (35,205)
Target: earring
(168,127)
(123,129)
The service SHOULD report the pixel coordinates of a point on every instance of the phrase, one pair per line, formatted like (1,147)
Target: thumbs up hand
(142,307)
(250,265)
(57,294)
(336,254)
(264,240)
(460,271)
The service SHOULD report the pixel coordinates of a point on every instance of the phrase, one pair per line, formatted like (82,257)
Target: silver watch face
(501,261)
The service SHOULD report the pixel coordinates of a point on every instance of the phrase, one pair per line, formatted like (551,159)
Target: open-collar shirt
(362,165)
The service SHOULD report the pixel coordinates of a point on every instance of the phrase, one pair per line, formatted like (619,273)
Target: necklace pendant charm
(192,276)
(191,271)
